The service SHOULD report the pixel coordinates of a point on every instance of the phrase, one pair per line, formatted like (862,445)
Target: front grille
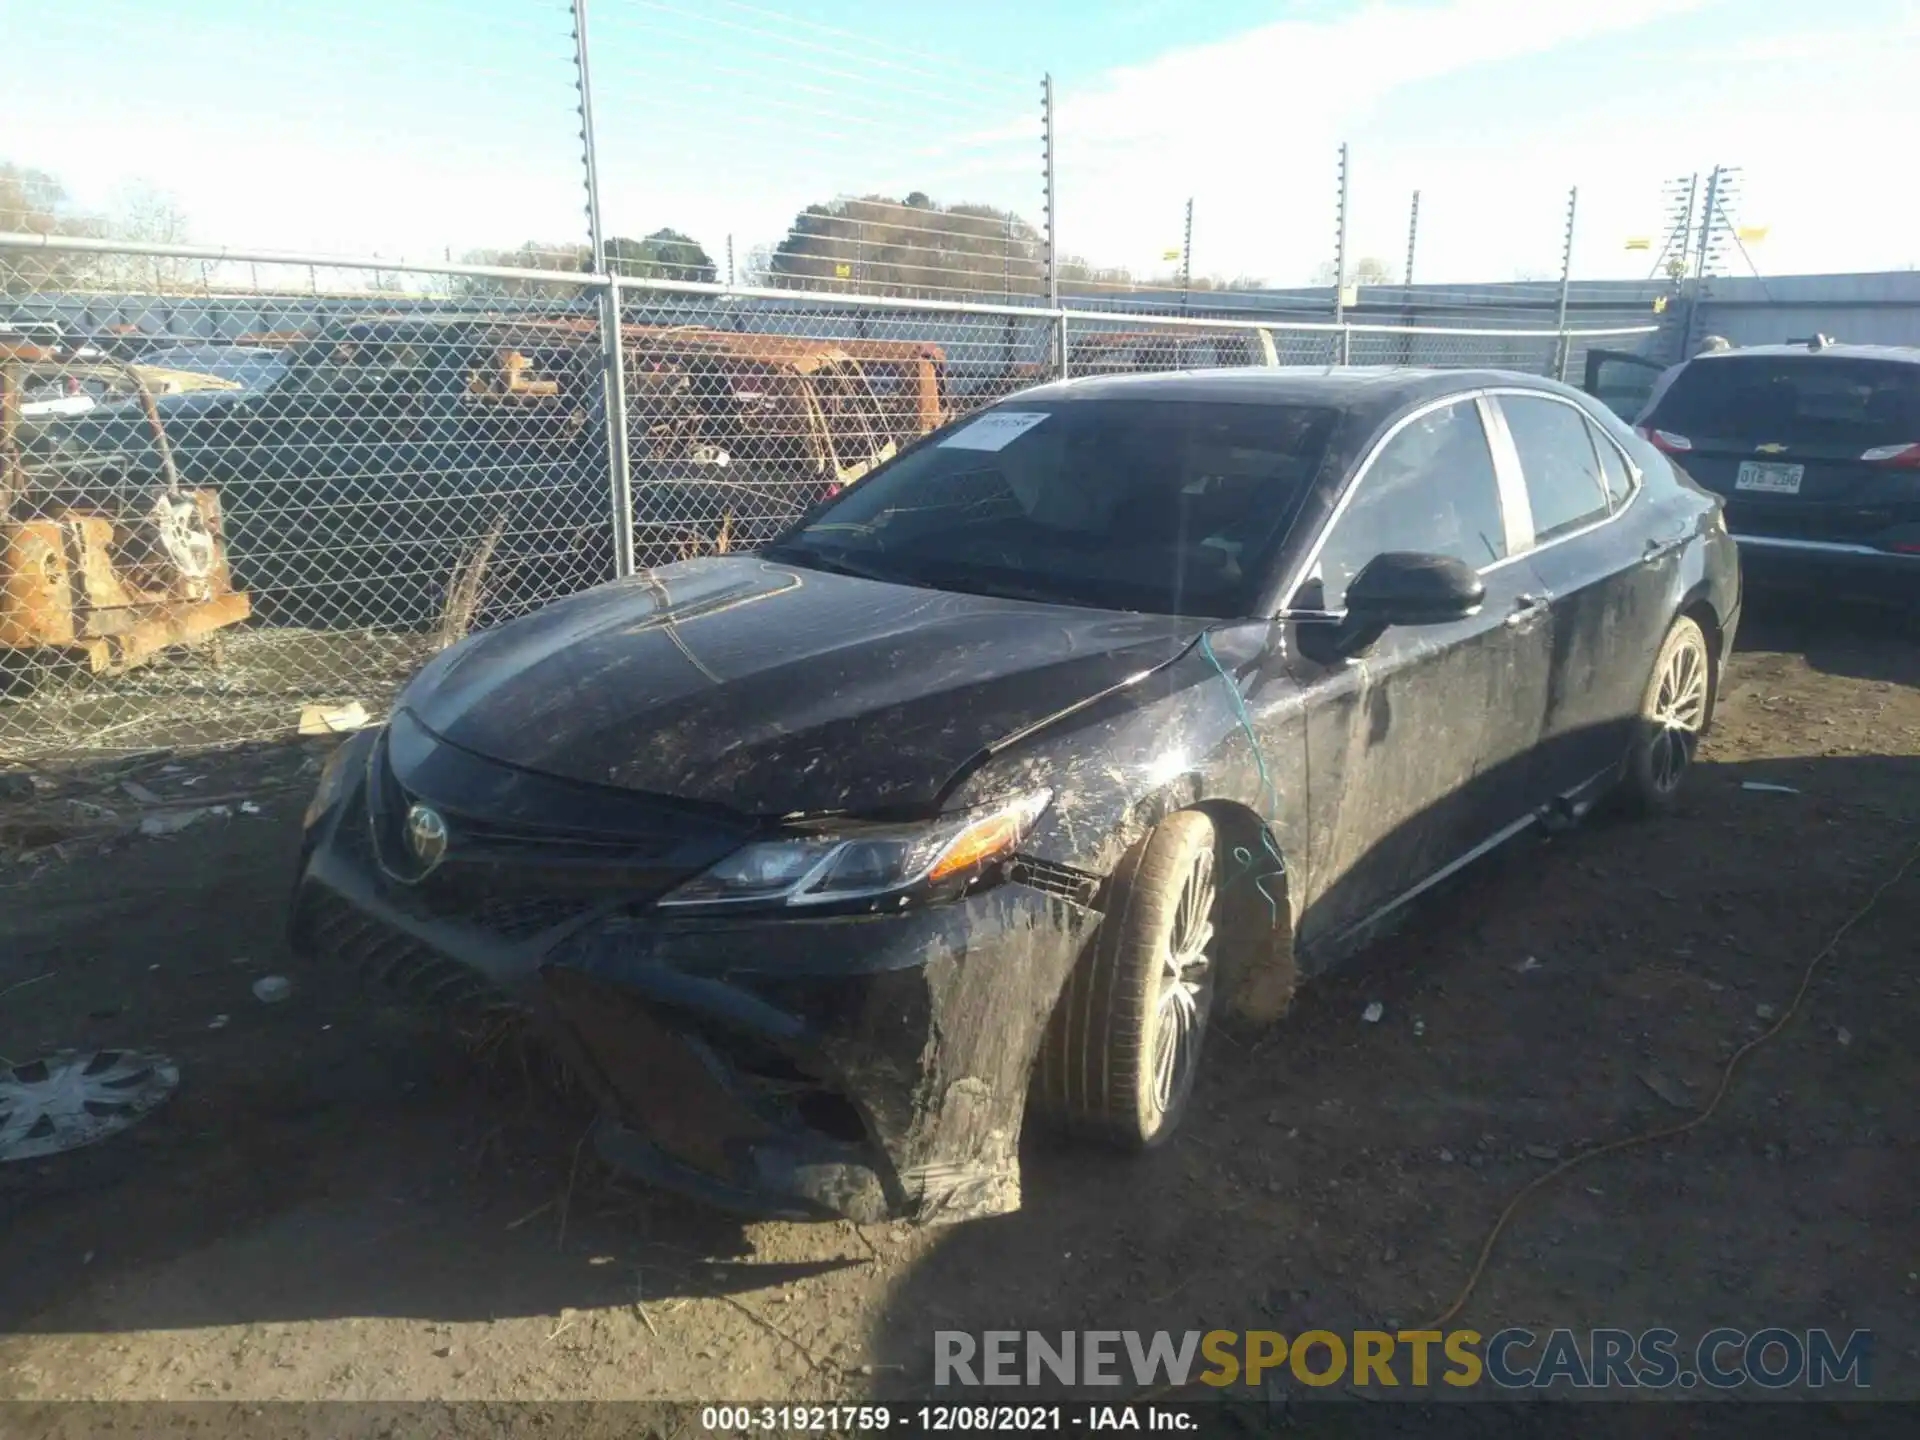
(494,899)
(479,903)
(505,880)
(329,927)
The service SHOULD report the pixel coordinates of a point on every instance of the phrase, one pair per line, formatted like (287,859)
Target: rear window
(1792,399)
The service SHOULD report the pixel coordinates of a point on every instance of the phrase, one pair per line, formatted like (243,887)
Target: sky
(432,128)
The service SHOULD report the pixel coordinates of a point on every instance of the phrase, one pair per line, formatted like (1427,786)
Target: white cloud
(1442,95)
(1249,127)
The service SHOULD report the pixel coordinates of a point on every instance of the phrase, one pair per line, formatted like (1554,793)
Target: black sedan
(1118,705)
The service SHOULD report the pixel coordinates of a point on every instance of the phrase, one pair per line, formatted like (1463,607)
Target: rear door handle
(1526,608)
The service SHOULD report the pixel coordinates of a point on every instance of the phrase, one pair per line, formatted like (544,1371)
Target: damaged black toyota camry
(1107,711)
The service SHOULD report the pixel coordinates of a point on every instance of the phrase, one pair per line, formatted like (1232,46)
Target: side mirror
(1401,588)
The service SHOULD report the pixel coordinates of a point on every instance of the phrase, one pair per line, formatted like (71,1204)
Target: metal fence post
(1413,236)
(613,364)
(1565,357)
(619,478)
(1051,219)
(1186,259)
(1406,279)
(1340,265)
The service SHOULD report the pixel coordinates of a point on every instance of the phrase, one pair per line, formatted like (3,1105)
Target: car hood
(776,690)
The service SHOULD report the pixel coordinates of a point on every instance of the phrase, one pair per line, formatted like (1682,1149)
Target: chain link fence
(253,497)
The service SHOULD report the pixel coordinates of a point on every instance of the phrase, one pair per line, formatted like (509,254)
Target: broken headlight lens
(865,862)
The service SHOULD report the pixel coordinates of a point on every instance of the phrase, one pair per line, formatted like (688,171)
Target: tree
(914,246)
(1371,270)
(756,266)
(153,217)
(663,255)
(1198,283)
(1078,275)
(34,202)
(534,255)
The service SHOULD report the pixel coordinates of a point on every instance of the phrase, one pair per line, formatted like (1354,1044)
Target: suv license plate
(1773,479)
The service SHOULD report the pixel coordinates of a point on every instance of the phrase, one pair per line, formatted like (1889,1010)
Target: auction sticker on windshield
(995,431)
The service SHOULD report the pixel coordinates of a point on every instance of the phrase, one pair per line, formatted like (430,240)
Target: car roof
(1896,354)
(1368,391)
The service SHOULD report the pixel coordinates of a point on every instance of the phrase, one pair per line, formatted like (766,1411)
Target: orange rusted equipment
(110,584)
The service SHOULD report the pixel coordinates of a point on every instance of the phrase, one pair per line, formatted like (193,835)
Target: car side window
(1613,468)
(1557,457)
(1431,489)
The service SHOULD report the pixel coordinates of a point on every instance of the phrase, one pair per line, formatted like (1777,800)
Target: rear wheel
(1125,1040)
(1673,715)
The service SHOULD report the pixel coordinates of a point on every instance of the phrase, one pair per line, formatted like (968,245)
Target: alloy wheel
(1679,713)
(1186,986)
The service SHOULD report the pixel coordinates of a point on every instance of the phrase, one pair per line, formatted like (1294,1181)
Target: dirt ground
(346,1199)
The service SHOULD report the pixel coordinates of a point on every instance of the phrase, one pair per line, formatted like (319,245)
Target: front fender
(1220,729)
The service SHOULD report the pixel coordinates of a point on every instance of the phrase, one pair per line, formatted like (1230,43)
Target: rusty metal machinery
(109,583)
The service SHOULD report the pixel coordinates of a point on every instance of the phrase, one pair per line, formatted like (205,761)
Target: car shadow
(1853,639)
(1338,1174)
(333,1154)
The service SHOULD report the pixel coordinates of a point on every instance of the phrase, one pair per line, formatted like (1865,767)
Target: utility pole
(1682,194)
(1709,217)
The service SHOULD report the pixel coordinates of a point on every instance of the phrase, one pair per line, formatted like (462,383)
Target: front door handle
(1526,609)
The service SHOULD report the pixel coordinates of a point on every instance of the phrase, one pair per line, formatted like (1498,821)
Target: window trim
(1635,476)
(1477,398)
(1627,466)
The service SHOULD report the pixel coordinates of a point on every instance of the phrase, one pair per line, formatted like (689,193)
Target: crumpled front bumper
(860,1067)
(863,1067)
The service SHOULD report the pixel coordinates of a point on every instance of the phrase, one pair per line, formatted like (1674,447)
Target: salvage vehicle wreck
(97,566)
(1124,702)
(737,434)
(1131,352)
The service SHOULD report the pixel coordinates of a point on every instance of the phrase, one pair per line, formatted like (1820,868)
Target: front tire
(1125,1039)
(1673,716)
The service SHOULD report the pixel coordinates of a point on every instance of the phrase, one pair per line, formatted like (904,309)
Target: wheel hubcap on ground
(1679,710)
(1186,978)
(69,1100)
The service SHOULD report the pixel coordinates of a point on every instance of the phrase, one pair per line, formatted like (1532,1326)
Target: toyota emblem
(426,836)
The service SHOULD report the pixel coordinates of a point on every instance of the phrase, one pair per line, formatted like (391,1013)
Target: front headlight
(934,860)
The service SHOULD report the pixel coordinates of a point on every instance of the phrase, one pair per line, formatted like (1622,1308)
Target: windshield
(1168,507)
(1806,400)
(253,367)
